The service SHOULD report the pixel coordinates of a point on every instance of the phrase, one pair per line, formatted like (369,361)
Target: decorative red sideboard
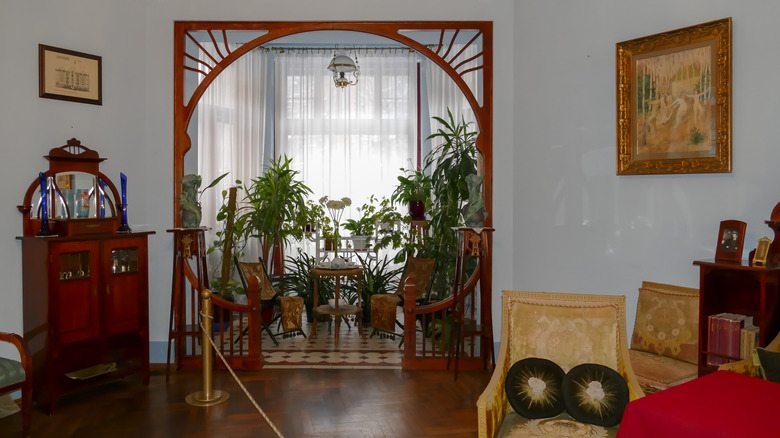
(85,285)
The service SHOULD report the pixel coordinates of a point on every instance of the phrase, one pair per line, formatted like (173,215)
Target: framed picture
(674,101)
(730,239)
(762,250)
(68,75)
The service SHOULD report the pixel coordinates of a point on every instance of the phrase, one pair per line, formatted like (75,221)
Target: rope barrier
(241,385)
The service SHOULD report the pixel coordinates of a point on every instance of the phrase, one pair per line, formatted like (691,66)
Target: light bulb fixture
(341,65)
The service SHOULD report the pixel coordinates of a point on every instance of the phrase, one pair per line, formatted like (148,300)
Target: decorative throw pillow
(533,388)
(770,364)
(595,394)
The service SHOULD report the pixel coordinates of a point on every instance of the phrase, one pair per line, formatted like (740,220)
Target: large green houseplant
(454,164)
(274,207)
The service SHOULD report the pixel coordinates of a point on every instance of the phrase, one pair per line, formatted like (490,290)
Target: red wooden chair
(17,375)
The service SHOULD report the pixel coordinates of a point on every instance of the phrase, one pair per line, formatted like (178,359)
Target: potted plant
(414,188)
(363,228)
(274,207)
(455,165)
(335,210)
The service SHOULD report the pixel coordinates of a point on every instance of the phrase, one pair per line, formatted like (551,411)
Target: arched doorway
(187,52)
(434,40)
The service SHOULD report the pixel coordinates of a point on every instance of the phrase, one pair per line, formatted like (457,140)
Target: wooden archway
(188,53)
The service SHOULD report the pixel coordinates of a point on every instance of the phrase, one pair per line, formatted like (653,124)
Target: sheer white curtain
(231,131)
(443,93)
(352,141)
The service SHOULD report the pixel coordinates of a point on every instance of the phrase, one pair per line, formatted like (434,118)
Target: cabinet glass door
(125,286)
(75,301)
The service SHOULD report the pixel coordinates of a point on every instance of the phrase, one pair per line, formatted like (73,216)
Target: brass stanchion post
(207,397)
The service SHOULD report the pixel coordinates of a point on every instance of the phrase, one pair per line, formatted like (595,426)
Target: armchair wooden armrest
(492,403)
(26,385)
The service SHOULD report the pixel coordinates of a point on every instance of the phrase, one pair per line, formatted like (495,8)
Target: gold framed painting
(674,101)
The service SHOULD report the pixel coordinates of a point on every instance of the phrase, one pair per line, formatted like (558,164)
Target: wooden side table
(343,310)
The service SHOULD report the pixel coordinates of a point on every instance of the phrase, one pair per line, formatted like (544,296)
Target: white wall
(581,228)
(134,127)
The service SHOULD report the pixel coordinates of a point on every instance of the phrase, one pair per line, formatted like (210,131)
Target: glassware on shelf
(45,230)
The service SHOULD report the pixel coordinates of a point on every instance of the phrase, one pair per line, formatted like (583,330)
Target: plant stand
(472,242)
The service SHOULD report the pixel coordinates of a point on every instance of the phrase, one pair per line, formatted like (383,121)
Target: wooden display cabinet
(86,318)
(737,287)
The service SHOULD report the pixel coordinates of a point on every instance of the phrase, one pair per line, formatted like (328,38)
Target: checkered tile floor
(321,352)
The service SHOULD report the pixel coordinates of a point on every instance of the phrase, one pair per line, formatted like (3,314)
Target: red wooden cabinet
(86,316)
(86,299)
(737,287)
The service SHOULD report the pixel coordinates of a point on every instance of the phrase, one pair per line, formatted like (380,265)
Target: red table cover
(722,404)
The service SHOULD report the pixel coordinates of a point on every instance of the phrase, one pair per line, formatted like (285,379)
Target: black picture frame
(69,75)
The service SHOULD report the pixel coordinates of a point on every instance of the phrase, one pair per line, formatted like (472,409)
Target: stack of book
(731,337)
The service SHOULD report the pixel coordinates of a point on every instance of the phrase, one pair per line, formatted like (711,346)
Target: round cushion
(533,388)
(595,394)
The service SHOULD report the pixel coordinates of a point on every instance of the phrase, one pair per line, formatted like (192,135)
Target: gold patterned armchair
(568,329)
(665,342)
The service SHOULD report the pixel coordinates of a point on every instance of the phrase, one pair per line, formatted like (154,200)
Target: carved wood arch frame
(448,30)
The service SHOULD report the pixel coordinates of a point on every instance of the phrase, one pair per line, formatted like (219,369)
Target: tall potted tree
(454,163)
(274,207)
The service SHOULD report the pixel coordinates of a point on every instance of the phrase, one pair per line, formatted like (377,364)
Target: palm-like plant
(274,208)
(453,163)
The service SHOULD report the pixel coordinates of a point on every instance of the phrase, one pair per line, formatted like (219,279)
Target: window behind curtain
(352,141)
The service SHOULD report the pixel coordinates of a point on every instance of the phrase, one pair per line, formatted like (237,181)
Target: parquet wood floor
(301,402)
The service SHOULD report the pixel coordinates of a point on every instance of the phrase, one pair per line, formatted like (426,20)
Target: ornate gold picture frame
(762,250)
(674,101)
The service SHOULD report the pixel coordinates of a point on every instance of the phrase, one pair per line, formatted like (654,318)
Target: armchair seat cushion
(11,372)
(562,425)
(660,372)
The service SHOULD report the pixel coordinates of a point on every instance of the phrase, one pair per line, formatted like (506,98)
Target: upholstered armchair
(665,342)
(17,375)
(568,329)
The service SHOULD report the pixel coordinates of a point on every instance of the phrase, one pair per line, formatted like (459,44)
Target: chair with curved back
(417,273)
(568,329)
(17,375)
(287,308)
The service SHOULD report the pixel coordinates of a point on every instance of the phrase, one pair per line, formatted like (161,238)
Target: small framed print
(731,238)
(762,250)
(69,75)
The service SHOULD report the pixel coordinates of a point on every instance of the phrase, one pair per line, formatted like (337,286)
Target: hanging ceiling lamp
(341,65)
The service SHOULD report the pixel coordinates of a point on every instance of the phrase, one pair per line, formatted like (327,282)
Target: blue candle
(124,226)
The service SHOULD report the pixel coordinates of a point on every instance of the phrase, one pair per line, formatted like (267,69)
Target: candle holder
(124,227)
(45,230)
